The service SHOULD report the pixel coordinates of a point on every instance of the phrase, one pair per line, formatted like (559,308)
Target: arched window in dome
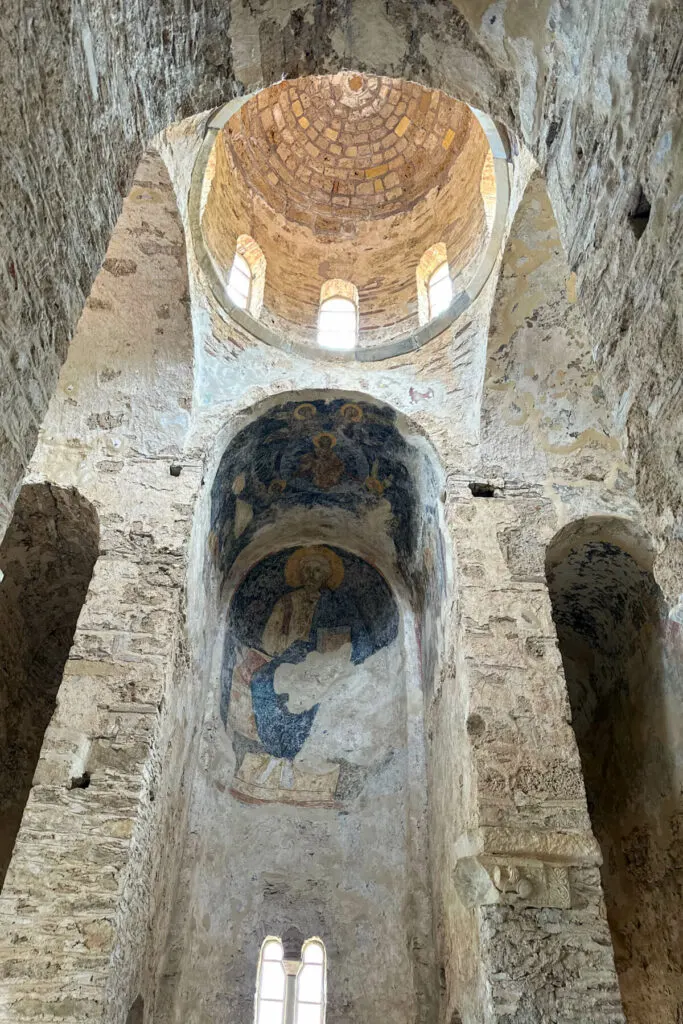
(310,984)
(338,315)
(271,984)
(247,277)
(434,283)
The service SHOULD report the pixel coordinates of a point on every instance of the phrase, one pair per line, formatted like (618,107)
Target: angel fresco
(297,617)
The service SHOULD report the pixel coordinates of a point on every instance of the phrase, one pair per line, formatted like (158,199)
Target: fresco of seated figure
(302,624)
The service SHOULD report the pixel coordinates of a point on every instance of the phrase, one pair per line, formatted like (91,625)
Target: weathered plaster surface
(544,410)
(90,865)
(595,94)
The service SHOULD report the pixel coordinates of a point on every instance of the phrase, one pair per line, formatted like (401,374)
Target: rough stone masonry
(513,486)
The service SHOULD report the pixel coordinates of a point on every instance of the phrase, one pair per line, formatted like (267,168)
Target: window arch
(311,984)
(291,991)
(338,315)
(271,984)
(247,277)
(434,283)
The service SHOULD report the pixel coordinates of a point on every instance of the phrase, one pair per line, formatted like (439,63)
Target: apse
(310,810)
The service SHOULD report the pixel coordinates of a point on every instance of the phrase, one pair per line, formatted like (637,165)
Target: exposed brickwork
(360,144)
(598,101)
(357,186)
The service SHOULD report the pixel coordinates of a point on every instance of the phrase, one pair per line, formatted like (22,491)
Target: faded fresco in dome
(331,454)
(308,681)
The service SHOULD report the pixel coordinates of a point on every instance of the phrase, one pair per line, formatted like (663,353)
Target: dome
(351,178)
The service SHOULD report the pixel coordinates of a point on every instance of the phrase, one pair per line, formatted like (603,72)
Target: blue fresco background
(283,460)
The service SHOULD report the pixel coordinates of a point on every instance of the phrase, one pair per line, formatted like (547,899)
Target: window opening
(338,315)
(310,985)
(289,989)
(271,985)
(337,324)
(434,284)
(440,290)
(239,282)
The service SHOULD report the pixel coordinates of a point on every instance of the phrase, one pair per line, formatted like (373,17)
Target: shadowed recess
(47,557)
(622,678)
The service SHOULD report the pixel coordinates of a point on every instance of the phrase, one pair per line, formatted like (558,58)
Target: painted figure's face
(314,572)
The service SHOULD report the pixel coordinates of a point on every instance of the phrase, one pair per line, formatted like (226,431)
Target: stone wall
(517,848)
(91,864)
(544,411)
(593,93)
(622,663)
(85,89)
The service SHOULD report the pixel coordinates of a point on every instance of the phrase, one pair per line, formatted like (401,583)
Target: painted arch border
(405,343)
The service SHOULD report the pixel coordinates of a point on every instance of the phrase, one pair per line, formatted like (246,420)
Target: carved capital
(486,880)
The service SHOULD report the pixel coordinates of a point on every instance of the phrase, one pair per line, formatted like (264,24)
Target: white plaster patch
(359,715)
(86,39)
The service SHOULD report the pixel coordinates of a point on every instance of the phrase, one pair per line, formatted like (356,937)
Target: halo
(317,438)
(352,412)
(305,411)
(319,553)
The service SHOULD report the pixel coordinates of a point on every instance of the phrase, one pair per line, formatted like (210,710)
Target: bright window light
(239,282)
(338,323)
(440,290)
(310,985)
(270,993)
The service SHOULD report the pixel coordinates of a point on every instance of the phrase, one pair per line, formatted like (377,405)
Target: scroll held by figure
(308,637)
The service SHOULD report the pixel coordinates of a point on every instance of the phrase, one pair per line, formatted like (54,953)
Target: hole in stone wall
(640,213)
(80,781)
(553,132)
(480,489)
(608,615)
(47,557)
(136,1014)
(175,469)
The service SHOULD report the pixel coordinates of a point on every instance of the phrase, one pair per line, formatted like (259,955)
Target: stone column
(526,862)
(97,831)
(291,970)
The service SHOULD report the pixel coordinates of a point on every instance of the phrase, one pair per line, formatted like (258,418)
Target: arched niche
(310,809)
(304,465)
(47,558)
(622,664)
